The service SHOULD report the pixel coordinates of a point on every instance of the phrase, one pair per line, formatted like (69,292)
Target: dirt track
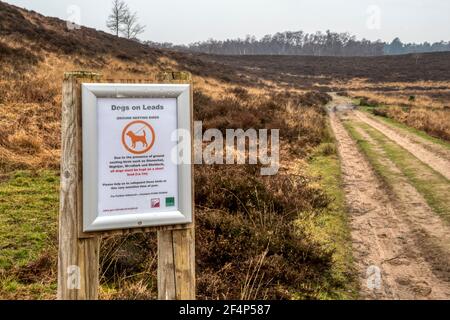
(393,229)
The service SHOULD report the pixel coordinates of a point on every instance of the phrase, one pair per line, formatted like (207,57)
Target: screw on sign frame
(125,132)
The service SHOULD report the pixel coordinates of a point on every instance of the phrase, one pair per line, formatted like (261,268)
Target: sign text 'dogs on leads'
(124,108)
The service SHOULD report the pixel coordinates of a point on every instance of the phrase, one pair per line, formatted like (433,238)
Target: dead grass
(433,119)
(24,142)
(299,116)
(434,122)
(427,98)
(361,84)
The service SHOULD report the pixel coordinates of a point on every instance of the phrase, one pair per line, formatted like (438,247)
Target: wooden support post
(176,248)
(78,257)
(176,265)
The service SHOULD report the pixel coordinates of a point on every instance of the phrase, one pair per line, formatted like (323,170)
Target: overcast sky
(186,21)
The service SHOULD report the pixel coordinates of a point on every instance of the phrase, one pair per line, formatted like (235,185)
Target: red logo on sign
(156,203)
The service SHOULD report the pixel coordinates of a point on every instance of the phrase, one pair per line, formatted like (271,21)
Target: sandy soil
(393,231)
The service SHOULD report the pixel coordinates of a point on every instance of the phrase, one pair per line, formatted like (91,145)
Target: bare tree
(131,28)
(117,16)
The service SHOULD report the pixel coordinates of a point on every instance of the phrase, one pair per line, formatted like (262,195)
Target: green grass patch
(28,216)
(356,101)
(366,109)
(434,187)
(29,205)
(11,289)
(331,227)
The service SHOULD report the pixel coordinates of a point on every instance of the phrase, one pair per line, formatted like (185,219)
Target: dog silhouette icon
(137,138)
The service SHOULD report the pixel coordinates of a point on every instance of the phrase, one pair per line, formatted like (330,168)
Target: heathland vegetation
(278,237)
(254,233)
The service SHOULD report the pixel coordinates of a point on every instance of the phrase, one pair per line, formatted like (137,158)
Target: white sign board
(131,177)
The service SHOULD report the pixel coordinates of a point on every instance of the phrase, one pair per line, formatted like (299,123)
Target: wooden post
(176,248)
(78,257)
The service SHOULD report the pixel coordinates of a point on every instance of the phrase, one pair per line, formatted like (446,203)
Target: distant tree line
(397,47)
(300,43)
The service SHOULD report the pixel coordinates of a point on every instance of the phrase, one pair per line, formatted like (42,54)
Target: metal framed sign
(134,173)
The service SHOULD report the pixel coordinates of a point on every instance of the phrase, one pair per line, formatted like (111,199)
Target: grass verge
(331,226)
(28,224)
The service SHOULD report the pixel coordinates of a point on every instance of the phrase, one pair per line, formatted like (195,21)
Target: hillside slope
(36,35)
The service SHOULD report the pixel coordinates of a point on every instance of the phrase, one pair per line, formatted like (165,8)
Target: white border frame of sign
(90,93)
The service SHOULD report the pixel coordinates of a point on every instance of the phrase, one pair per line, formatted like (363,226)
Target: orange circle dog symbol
(138,137)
